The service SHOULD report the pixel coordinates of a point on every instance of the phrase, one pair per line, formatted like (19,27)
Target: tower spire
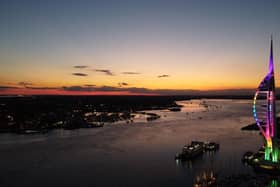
(271,66)
(267,123)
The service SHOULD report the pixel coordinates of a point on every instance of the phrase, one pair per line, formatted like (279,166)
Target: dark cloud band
(130,73)
(80,74)
(105,71)
(163,76)
(80,67)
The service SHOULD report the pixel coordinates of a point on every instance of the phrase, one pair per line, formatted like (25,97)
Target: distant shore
(174,97)
(39,114)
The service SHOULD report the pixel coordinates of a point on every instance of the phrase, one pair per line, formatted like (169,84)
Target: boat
(264,166)
(190,151)
(248,157)
(211,146)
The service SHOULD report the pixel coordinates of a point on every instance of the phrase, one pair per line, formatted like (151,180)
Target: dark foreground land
(33,114)
(42,113)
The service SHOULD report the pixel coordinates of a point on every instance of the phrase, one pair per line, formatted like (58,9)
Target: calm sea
(136,154)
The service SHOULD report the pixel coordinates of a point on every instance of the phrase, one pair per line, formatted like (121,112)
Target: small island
(254,126)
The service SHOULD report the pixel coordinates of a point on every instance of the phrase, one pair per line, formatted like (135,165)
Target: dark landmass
(178,97)
(37,114)
(173,97)
(254,127)
(251,127)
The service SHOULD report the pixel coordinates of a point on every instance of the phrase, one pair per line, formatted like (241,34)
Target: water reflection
(202,168)
(206,178)
(188,163)
(273,183)
(210,178)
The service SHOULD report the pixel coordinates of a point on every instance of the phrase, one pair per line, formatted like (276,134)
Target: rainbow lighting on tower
(264,112)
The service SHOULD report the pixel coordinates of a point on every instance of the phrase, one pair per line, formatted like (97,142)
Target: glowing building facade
(265,113)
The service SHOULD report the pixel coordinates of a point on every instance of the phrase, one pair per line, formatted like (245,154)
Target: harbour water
(135,154)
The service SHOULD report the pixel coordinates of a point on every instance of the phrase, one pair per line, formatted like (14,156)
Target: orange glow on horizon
(63,92)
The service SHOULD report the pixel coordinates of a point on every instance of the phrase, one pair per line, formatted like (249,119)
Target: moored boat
(265,166)
(211,146)
(190,151)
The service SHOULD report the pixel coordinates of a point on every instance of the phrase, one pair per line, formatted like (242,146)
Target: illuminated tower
(264,112)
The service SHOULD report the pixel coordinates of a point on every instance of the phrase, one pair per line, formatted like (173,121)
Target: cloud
(125,88)
(163,76)
(25,84)
(130,73)
(77,88)
(41,88)
(7,87)
(80,74)
(105,71)
(90,85)
(80,67)
(107,88)
(121,84)
(110,89)
(91,89)
(141,90)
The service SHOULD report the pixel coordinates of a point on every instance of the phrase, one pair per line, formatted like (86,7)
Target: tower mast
(266,120)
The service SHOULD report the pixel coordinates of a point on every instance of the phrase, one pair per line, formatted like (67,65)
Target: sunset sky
(135,47)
